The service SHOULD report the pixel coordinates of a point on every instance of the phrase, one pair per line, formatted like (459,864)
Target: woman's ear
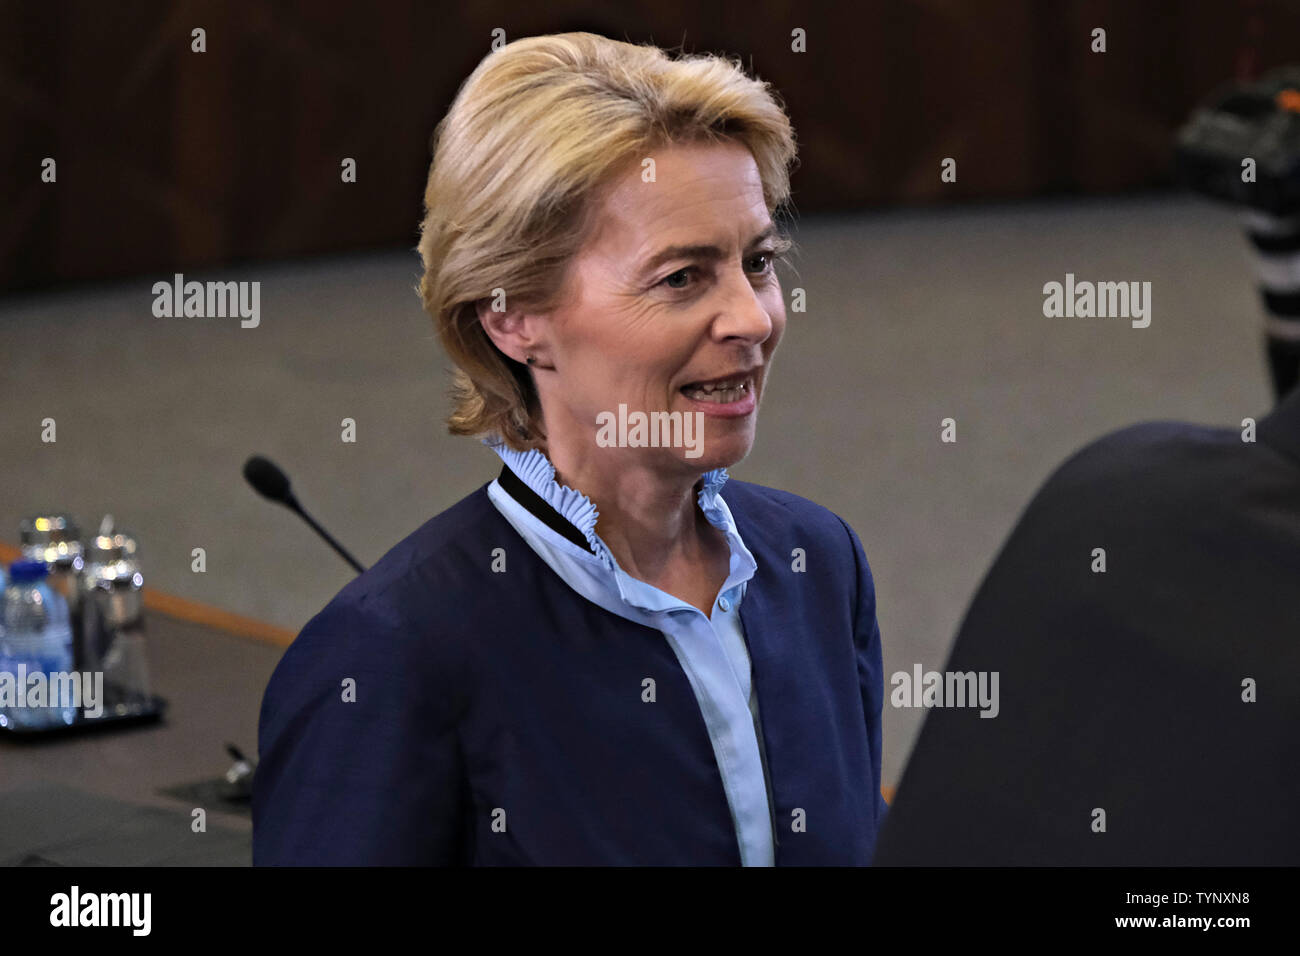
(504,327)
(512,330)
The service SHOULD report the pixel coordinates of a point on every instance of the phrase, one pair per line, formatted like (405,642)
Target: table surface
(92,798)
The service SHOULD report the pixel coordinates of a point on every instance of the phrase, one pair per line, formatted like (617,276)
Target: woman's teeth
(721,393)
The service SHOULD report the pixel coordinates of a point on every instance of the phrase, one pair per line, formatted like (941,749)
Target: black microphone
(273,484)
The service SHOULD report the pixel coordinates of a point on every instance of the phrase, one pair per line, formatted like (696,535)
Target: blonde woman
(613,653)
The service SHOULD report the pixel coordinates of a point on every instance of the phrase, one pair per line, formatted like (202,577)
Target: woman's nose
(743,314)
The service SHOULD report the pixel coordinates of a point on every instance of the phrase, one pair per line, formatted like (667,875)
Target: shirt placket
(730,723)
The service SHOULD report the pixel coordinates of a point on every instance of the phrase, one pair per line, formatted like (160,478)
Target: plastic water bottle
(37,636)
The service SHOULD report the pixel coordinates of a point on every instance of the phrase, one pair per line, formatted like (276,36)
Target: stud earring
(530,359)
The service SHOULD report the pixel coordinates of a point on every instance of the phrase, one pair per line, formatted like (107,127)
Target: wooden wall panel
(169,159)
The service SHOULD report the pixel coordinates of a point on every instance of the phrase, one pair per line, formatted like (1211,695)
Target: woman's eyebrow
(701,251)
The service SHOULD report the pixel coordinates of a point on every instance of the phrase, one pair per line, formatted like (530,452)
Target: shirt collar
(572,514)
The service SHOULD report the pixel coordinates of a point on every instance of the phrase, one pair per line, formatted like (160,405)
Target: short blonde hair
(534,132)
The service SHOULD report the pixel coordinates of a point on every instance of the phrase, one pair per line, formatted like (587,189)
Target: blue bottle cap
(21,571)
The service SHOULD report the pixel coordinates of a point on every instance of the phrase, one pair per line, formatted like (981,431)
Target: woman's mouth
(729,397)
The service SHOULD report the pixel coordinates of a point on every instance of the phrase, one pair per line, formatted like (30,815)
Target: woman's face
(675,288)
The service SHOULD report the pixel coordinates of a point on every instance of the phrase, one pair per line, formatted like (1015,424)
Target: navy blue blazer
(498,718)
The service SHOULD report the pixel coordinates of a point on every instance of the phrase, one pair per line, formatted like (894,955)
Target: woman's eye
(668,280)
(761,263)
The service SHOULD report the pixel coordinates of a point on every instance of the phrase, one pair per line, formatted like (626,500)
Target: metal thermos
(112,593)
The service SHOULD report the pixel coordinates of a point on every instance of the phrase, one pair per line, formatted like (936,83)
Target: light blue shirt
(711,649)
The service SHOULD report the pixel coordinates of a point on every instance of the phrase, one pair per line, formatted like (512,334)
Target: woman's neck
(649,520)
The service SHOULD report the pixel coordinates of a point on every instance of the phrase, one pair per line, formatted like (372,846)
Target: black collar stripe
(539,508)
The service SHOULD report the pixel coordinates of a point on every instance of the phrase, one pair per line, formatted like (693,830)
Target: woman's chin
(720,449)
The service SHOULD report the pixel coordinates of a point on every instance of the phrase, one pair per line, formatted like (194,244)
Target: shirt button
(724,604)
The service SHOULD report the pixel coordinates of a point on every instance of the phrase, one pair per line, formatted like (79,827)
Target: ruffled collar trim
(536,471)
